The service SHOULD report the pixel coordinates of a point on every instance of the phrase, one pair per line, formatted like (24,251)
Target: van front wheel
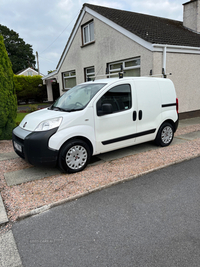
(165,135)
(74,156)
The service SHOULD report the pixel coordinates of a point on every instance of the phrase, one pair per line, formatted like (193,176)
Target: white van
(96,117)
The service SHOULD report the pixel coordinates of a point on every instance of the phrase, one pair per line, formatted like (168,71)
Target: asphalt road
(153,220)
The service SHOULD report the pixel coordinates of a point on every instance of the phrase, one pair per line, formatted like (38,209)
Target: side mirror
(107,108)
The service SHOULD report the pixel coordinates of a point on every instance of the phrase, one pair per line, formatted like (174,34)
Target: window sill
(88,44)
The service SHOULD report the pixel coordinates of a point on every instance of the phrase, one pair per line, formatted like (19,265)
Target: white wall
(49,90)
(110,45)
(185,69)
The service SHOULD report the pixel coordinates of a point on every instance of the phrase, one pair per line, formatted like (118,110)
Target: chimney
(191,15)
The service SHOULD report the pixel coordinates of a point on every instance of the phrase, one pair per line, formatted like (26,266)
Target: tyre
(165,135)
(74,156)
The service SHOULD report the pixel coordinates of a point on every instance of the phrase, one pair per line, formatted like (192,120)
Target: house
(106,39)
(28,72)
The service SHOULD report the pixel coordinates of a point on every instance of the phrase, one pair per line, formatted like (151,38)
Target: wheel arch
(158,139)
(171,122)
(86,140)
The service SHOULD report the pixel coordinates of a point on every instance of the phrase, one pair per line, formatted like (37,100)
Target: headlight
(49,124)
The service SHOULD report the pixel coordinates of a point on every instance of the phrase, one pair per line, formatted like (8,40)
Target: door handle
(140,115)
(134,115)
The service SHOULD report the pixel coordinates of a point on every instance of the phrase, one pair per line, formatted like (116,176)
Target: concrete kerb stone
(75,197)
(29,174)
(9,255)
(7,156)
(3,214)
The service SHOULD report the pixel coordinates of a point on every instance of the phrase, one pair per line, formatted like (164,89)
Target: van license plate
(17,146)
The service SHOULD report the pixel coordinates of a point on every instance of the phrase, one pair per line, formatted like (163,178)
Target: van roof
(112,80)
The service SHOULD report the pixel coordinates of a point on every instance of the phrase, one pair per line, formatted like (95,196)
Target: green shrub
(8,101)
(30,87)
(33,108)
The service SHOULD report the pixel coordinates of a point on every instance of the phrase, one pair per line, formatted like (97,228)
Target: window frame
(88,27)
(68,77)
(87,75)
(123,63)
(29,73)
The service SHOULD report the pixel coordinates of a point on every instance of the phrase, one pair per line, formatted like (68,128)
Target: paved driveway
(151,221)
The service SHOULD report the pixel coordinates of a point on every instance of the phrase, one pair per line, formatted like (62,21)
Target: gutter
(50,75)
(176,48)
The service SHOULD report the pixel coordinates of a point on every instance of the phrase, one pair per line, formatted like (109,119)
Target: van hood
(32,120)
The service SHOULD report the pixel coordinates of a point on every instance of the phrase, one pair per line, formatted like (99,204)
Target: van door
(115,124)
(149,108)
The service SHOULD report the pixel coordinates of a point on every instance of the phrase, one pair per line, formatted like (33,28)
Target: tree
(50,71)
(8,103)
(20,53)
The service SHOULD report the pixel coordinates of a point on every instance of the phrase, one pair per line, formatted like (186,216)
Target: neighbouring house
(28,72)
(106,39)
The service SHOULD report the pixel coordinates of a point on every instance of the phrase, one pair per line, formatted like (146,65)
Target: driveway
(151,221)
(27,190)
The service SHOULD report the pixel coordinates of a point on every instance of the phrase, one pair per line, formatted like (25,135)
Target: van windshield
(77,98)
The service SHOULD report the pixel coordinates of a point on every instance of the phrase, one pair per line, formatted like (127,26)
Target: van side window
(115,100)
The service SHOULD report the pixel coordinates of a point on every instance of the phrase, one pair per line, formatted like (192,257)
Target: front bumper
(176,124)
(33,146)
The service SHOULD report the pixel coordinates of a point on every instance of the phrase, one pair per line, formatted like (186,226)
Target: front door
(115,128)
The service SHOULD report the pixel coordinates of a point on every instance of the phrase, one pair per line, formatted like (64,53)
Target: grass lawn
(20,117)
(35,104)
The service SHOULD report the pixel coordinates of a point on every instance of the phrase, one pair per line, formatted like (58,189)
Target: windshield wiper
(60,109)
(77,109)
(65,110)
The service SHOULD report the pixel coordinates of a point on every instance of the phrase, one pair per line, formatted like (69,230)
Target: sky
(46,24)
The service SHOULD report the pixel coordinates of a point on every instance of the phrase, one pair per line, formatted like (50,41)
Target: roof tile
(156,30)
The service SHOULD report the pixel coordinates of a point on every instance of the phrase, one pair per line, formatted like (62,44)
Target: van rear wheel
(74,156)
(165,135)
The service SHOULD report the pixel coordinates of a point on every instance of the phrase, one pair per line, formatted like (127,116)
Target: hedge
(8,101)
(30,87)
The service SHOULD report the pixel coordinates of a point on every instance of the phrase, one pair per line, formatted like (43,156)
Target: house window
(89,74)
(88,33)
(69,79)
(131,67)
(30,73)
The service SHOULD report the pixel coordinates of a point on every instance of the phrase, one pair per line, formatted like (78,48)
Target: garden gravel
(20,200)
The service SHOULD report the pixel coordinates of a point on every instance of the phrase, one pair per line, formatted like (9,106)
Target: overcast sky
(47,24)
